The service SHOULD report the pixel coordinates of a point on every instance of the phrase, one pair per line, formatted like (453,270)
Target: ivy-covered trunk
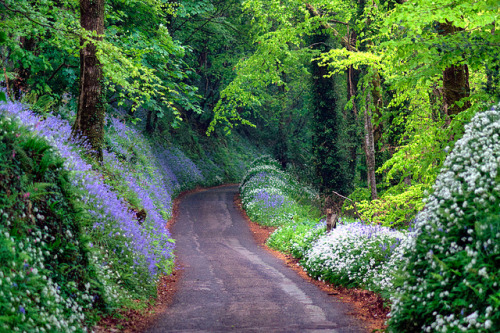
(330,152)
(89,121)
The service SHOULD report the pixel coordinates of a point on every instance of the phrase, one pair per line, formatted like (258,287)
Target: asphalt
(230,284)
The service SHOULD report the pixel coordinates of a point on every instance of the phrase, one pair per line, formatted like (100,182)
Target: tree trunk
(352,83)
(455,79)
(282,142)
(456,87)
(378,104)
(370,151)
(150,121)
(330,156)
(89,122)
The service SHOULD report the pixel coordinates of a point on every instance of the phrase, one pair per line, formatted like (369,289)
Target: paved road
(231,284)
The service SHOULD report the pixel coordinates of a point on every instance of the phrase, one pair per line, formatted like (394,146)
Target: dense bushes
(123,250)
(442,275)
(451,271)
(296,239)
(46,279)
(355,255)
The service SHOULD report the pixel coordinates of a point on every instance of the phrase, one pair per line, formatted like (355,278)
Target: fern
(38,190)
(26,162)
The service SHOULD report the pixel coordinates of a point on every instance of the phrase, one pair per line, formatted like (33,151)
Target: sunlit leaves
(279,29)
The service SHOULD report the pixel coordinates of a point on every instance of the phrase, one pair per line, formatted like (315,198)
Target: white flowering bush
(353,254)
(450,280)
(272,197)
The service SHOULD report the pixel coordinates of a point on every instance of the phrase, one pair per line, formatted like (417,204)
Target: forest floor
(366,306)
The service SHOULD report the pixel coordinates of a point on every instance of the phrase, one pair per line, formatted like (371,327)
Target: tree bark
(456,87)
(150,121)
(378,104)
(455,79)
(352,83)
(89,123)
(330,156)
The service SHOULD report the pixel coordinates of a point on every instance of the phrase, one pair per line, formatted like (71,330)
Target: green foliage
(296,239)
(359,195)
(142,64)
(404,44)
(396,207)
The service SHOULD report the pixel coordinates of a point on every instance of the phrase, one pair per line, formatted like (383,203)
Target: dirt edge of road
(368,306)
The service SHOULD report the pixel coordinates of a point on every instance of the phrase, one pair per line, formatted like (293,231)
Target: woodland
(384,112)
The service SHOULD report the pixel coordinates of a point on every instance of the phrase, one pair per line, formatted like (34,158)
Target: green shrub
(395,208)
(360,194)
(451,273)
(296,239)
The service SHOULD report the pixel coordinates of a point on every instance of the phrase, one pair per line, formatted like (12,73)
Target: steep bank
(81,239)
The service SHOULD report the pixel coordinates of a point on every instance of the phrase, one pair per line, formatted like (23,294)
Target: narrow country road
(231,284)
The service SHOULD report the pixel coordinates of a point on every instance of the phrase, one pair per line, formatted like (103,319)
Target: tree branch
(353,203)
(26,15)
(343,40)
(339,22)
(55,72)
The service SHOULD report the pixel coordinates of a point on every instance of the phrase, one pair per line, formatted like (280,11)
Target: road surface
(230,284)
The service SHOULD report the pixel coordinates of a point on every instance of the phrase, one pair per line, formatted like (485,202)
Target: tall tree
(89,121)
(329,139)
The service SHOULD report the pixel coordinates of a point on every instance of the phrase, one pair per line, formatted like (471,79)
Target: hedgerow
(353,255)
(272,197)
(48,281)
(451,266)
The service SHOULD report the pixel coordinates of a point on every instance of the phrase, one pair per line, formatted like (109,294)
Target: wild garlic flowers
(451,272)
